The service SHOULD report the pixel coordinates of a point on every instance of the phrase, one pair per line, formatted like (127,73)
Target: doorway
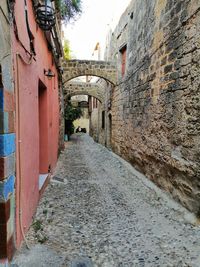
(109,131)
(43,133)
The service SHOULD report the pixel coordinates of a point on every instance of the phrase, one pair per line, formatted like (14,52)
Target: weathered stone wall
(7,140)
(156,105)
(94,125)
(102,134)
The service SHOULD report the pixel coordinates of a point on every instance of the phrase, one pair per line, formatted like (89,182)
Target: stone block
(174,76)
(7,122)
(7,73)
(11,122)
(193,6)
(8,101)
(169,5)
(7,166)
(184,16)
(168,68)
(163,61)
(177,64)
(174,23)
(178,7)
(172,56)
(11,221)
(187,59)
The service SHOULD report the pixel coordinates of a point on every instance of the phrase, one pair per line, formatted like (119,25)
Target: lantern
(45,15)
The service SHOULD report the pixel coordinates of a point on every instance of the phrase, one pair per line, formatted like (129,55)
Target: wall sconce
(45,15)
(49,74)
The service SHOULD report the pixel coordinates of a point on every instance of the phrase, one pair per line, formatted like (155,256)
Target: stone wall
(7,140)
(94,125)
(100,133)
(156,104)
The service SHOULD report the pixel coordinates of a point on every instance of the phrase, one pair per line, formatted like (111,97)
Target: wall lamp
(45,15)
(49,74)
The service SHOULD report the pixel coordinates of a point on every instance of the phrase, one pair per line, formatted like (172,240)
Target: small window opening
(95,103)
(123,59)
(103,120)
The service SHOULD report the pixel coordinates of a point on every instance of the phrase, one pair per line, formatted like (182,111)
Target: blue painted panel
(7,188)
(7,144)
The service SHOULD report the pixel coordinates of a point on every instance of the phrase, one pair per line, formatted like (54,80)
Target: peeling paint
(6,188)
(7,144)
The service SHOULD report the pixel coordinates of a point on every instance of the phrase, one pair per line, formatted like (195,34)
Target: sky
(97,18)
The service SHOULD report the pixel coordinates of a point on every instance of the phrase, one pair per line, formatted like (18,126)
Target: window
(95,102)
(123,59)
(90,103)
(103,120)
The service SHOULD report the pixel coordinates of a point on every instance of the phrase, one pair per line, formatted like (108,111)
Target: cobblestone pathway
(98,212)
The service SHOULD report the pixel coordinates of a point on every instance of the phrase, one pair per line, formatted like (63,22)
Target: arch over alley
(103,69)
(84,88)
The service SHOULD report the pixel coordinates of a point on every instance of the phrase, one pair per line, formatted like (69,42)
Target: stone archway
(103,69)
(83,88)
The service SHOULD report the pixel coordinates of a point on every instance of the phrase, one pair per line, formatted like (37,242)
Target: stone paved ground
(98,211)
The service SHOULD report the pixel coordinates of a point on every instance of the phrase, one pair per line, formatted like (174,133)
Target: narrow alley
(98,211)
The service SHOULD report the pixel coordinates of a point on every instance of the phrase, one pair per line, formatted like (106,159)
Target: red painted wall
(36,132)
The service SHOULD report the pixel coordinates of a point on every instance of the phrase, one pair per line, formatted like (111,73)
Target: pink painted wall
(38,146)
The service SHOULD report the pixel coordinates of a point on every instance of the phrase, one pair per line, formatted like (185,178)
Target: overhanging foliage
(68,9)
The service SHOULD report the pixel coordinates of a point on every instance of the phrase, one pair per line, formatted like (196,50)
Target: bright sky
(97,18)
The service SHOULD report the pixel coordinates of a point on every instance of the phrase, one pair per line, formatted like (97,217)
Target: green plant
(37,225)
(68,9)
(66,49)
(41,239)
(72,113)
(45,211)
